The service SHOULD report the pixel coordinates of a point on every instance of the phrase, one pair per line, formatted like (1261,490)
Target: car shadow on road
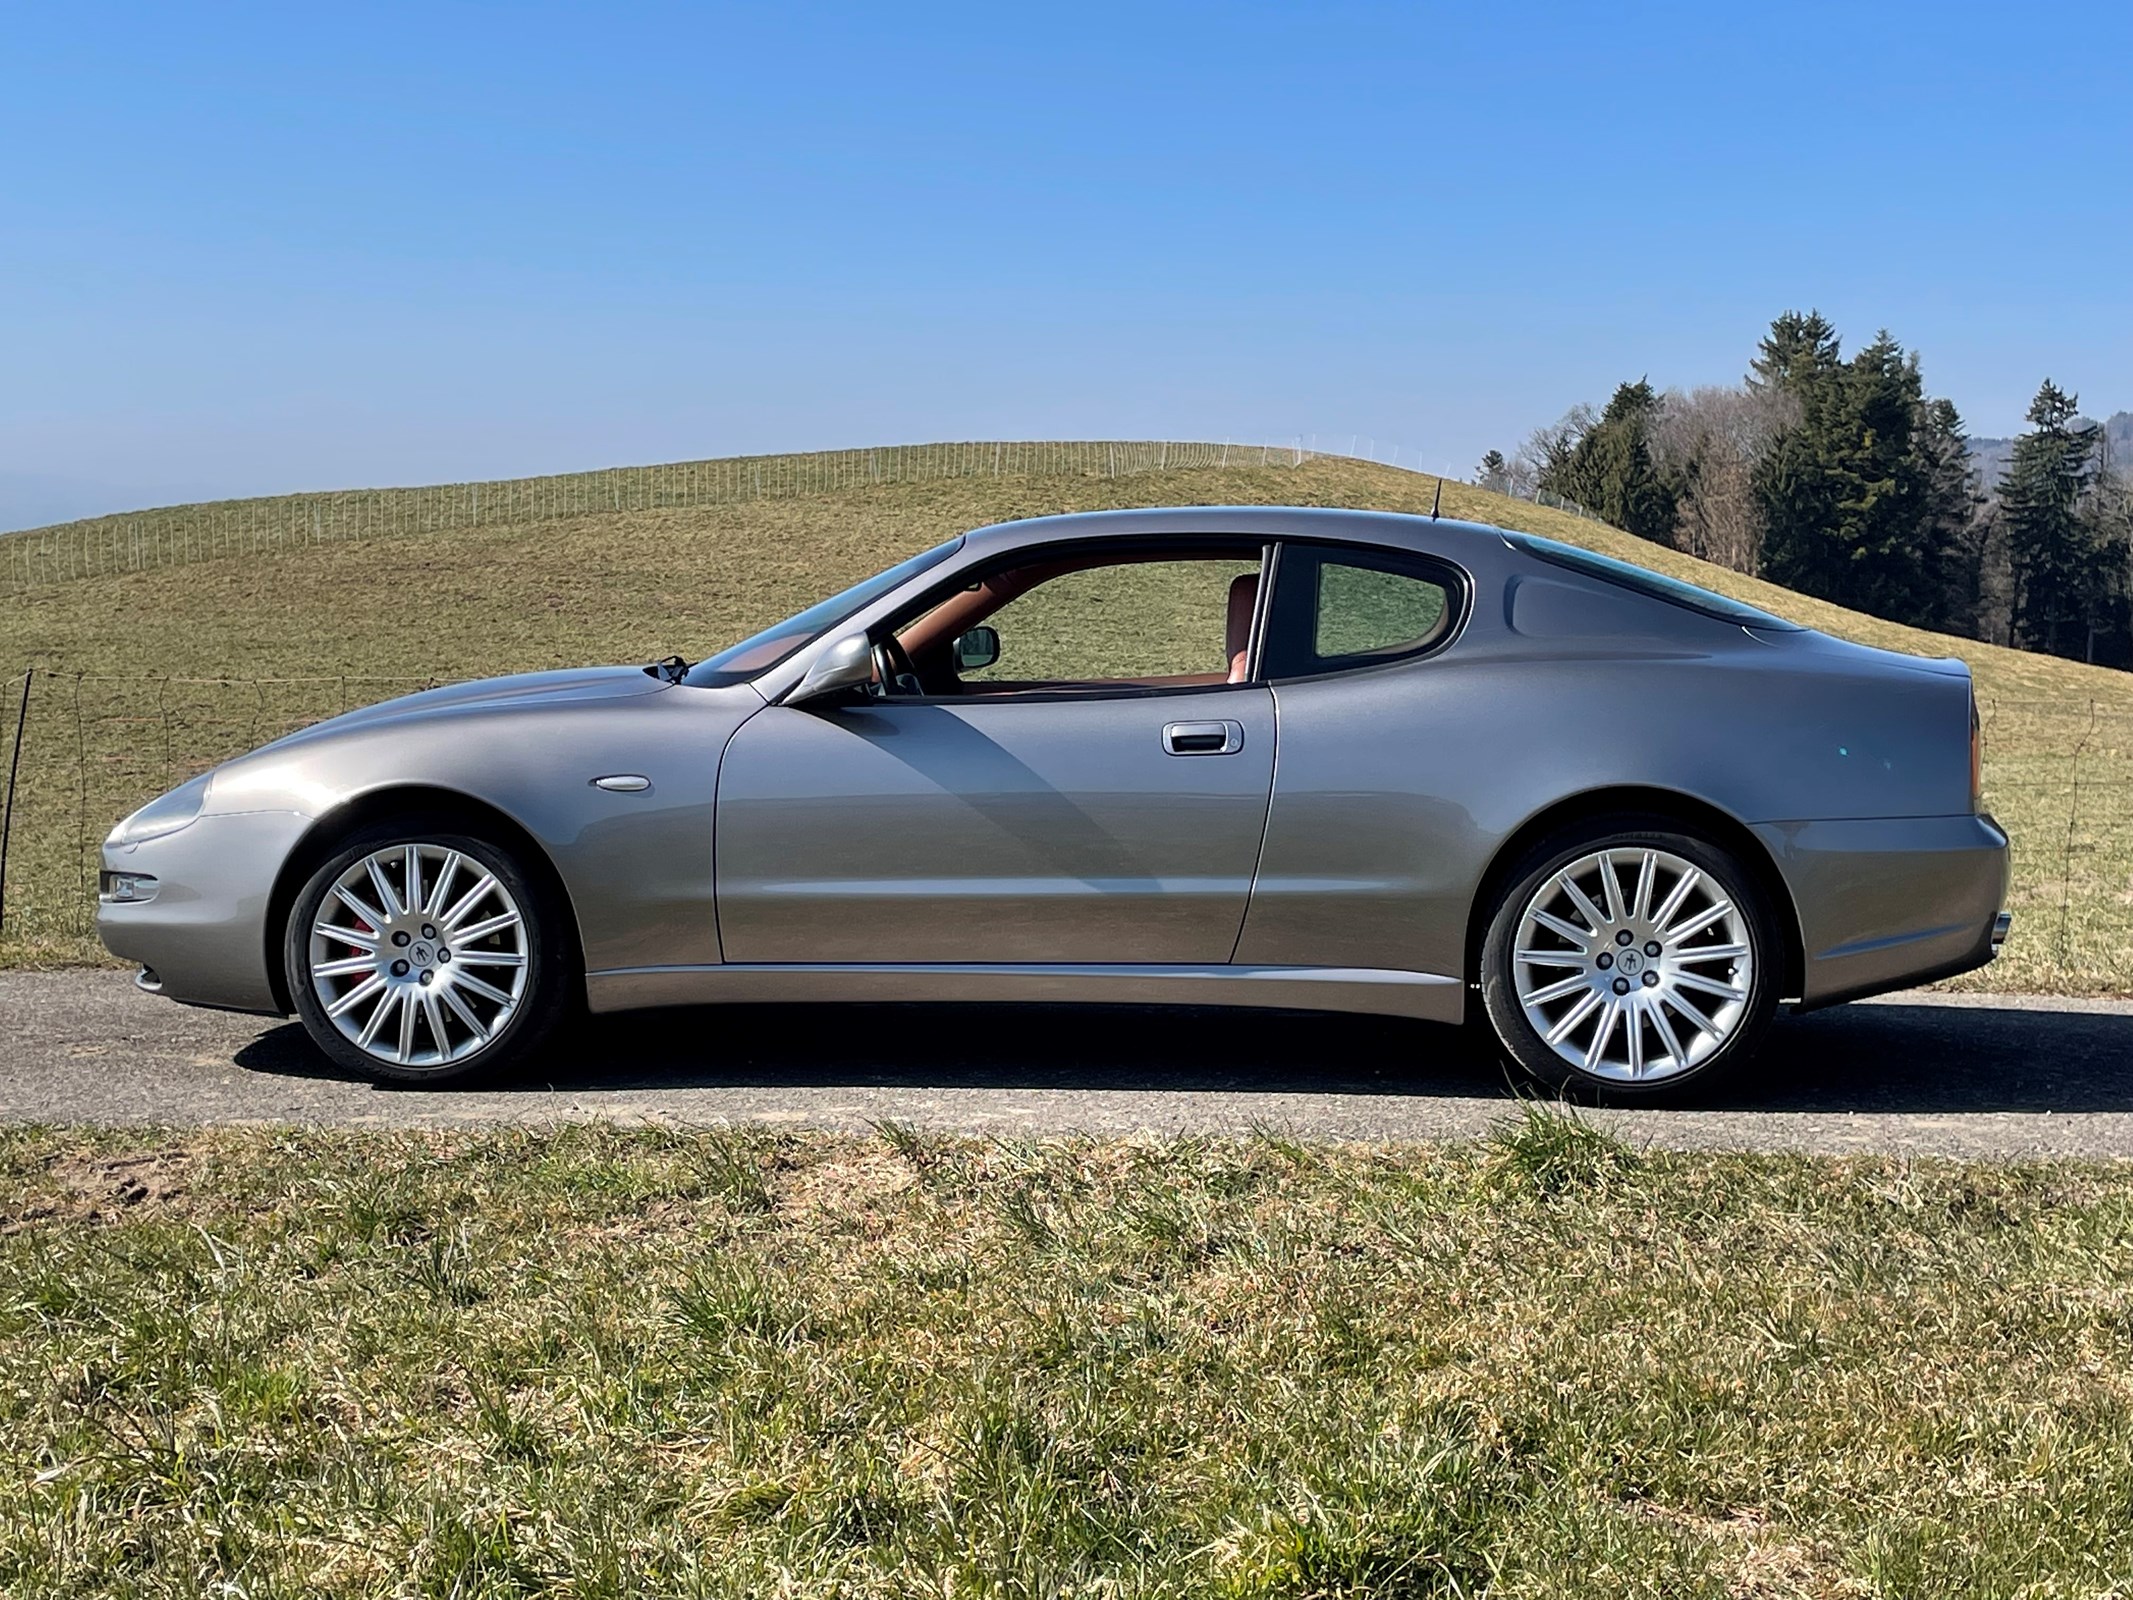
(1893,1057)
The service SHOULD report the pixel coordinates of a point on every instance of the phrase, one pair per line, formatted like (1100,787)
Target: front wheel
(417,954)
(1629,962)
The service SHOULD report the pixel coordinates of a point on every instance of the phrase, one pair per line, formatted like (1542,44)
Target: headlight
(166,815)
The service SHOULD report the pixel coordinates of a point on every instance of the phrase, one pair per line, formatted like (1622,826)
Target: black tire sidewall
(542,1005)
(1507,1018)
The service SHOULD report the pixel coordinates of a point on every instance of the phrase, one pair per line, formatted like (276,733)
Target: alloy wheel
(418,955)
(1634,965)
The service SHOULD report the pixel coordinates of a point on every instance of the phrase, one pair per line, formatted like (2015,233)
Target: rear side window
(1369,611)
(1336,609)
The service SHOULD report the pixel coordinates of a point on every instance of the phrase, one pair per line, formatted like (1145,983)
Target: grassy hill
(136,667)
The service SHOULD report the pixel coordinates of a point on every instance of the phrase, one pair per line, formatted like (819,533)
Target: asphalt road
(1957,1075)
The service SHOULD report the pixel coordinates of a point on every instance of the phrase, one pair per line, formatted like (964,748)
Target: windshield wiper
(671,668)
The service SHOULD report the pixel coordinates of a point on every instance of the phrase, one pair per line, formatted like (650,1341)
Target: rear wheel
(418,953)
(1629,962)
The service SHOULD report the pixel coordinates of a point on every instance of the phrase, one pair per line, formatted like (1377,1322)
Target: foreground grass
(361,620)
(596,1362)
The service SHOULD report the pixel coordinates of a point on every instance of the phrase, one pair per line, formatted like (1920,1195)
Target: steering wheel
(893,672)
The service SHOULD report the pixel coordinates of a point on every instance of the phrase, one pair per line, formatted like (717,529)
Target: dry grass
(591,1362)
(364,619)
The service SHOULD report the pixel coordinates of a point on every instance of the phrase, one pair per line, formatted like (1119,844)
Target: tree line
(1844,479)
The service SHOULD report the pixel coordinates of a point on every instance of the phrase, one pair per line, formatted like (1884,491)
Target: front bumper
(204,936)
(1891,903)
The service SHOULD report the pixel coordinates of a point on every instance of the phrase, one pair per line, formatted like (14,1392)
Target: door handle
(1203,738)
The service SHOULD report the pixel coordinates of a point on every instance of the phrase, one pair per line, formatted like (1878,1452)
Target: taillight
(1977,757)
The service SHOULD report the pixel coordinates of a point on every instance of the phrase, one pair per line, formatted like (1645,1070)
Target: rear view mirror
(846,664)
(979,647)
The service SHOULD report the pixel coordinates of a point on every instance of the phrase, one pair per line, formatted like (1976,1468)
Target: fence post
(14,768)
(2073,810)
(81,822)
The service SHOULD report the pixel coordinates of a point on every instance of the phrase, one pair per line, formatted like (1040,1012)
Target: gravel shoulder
(1924,1073)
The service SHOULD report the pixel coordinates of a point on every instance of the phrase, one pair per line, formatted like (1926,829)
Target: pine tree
(1850,494)
(1880,512)
(1494,472)
(1610,470)
(1800,347)
(2061,583)
(1952,530)
(1795,490)
(2109,510)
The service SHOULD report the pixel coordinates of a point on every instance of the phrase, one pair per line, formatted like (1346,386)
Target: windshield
(760,652)
(1654,584)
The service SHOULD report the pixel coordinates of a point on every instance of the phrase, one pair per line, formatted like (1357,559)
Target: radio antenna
(1438,503)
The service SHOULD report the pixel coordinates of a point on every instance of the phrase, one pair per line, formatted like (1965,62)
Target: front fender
(635,865)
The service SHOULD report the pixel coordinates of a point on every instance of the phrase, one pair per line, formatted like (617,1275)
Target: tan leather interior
(1237,632)
(968,607)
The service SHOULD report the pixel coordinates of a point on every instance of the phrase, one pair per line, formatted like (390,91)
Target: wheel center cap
(420,955)
(1629,963)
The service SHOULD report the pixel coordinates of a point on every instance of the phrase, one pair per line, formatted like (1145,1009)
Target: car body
(778,825)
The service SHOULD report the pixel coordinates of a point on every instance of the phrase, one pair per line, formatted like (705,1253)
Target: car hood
(521,691)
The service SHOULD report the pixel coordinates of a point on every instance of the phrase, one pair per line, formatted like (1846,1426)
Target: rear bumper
(1890,904)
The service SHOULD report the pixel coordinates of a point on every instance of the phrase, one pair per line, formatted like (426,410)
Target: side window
(1369,611)
(1143,619)
(1149,620)
(1336,609)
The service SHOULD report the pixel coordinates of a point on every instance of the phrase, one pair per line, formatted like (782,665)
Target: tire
(1683,1017)
(471,981)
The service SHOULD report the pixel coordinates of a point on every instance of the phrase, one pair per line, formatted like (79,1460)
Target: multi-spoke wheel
(417,953)
(1630,961)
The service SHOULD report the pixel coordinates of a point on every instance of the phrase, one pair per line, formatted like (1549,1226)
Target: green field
(602,1363)
(395,593)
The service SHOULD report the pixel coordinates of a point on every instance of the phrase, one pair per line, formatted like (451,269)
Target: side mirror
(978,648)
(846,664)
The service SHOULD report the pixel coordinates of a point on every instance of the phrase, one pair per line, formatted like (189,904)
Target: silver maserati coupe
(1331,760)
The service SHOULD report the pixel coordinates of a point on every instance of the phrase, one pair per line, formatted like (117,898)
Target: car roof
(1391,528)
(1487,554)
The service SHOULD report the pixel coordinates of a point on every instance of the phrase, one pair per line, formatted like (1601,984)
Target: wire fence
(84,750)
(177,535)
(1554,502)
(143,541)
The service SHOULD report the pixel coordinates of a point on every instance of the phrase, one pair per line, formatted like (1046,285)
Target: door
(1076,830)
(1090,788)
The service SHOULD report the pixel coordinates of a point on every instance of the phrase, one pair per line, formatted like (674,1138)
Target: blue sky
(249,249)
